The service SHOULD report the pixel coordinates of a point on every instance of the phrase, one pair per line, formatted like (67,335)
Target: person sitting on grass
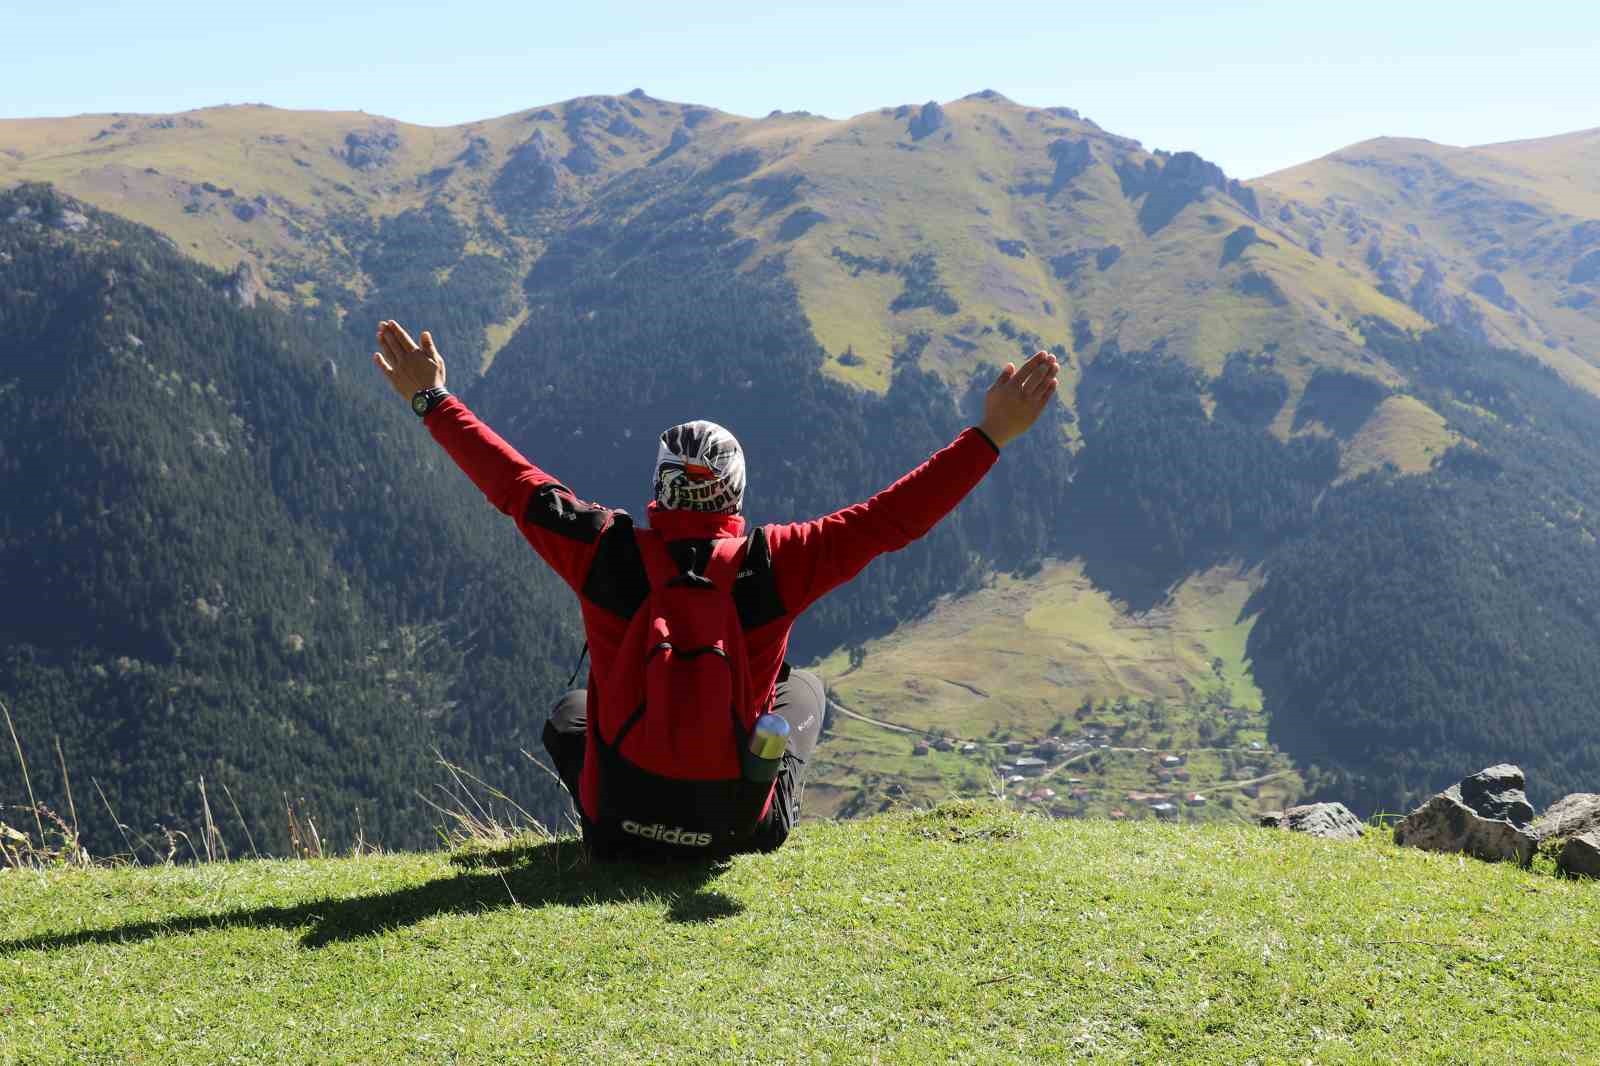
(688,619)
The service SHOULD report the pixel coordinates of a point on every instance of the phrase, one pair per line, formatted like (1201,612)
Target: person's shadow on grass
(539,875)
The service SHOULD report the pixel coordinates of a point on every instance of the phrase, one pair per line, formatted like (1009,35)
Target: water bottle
(768,741)
(762,759)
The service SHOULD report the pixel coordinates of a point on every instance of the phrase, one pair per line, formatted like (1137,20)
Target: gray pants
(799,697)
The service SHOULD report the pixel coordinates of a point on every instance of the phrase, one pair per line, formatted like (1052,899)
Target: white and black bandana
(700,467)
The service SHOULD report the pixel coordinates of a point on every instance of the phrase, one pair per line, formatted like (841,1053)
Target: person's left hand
(410,367)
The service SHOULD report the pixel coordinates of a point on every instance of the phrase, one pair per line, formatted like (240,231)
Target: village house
(1167,812)
(920,748)
(1194,799)
(1029,765)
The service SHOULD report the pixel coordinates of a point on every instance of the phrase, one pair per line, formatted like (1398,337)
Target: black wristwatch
(425,400)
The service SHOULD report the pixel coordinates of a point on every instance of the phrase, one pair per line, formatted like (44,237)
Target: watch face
(419,402)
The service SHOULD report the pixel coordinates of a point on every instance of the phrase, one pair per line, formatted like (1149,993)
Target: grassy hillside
(964,934)
(1052,657)
(1501,241)
(948,234)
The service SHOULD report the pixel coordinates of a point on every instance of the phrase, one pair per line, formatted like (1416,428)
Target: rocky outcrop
(1580,856)
(798,222)
(58,213)
(1173,184)
(529,178)
(371,149)
(928,120)
(1240,239)
(1568,816)
(1434,300)
(680,138)
(249,210)
(1072,158)
(1486,815)
(1069,265)
(1490,288)
(475,154)
(1168,187)
(243,286)
(1331,821)
(581,158)
(1258,284)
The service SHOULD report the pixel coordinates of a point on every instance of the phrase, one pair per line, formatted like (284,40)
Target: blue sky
(1253,86)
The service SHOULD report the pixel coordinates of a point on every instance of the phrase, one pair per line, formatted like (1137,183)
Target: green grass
(1403,431)
(966,934)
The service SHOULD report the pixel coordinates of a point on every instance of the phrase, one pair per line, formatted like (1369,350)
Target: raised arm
(561,528)
(812,558)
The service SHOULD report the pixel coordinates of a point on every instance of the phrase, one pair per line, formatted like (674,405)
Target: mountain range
(1260,380)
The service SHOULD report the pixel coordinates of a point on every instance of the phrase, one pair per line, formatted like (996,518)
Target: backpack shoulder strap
(727,556)
(721,570)
(658,565)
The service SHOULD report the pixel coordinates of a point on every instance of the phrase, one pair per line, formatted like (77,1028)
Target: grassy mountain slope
(1501,241)
(1051,655)
(1028,221)
(961,934)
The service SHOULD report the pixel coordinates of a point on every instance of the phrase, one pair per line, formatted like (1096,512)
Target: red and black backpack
(672,722)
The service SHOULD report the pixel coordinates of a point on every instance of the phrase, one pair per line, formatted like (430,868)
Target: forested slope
(219,557)
(1428,623)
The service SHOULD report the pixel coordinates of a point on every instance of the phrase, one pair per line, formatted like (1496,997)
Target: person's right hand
(1017,398)
(409,366)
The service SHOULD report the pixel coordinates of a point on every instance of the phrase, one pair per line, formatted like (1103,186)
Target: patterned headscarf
(700,467)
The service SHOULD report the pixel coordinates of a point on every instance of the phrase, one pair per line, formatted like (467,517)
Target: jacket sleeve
(562,529)
(810,559)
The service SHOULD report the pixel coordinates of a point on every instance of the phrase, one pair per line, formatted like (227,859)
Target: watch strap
(425,400)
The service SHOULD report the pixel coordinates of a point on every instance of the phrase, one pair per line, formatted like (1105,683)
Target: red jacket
(789,566)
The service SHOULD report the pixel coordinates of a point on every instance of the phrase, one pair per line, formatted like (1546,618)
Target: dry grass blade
(115,820)
(66,780)
(37,821)
(242,823)
(490,789)
(213,834)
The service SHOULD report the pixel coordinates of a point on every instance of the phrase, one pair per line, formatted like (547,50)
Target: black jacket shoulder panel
(755,590)
(617,581)
(553,507)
